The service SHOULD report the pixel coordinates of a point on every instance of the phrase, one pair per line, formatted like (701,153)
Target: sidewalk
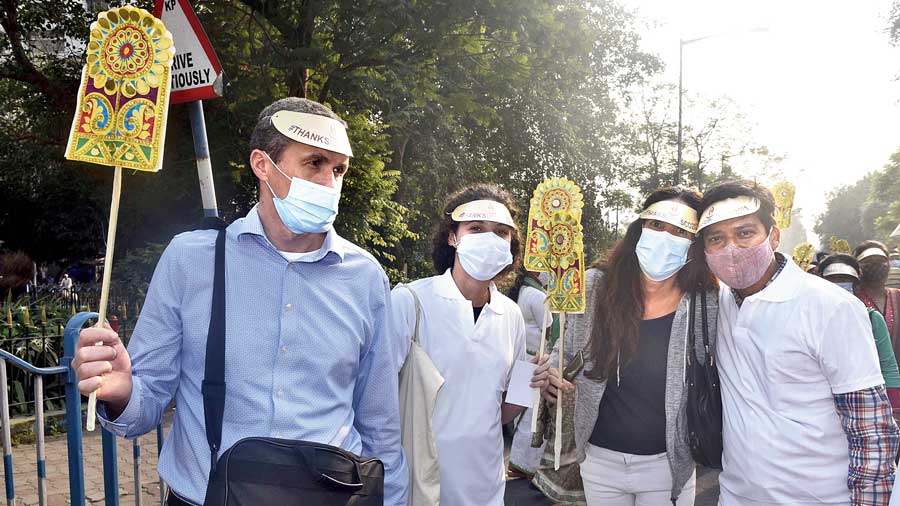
(518,493)
(25,471)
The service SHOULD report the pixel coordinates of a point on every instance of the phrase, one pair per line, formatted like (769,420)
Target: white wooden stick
(107,277)
(557,443)
(537,392)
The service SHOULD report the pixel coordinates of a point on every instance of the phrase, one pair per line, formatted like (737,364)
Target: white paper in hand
(519,393)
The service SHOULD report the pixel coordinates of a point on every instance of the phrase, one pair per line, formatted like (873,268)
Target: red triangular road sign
(196,71)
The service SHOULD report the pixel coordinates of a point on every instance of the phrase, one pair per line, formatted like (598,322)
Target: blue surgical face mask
(308,208)
(661,254)
(846,285)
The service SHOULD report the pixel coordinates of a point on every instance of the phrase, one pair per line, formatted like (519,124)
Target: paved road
(25,471)
(518,492)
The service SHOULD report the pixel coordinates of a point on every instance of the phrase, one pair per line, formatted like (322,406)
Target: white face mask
(483,255)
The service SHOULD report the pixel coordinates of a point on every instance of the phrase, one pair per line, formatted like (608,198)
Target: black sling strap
(214,376)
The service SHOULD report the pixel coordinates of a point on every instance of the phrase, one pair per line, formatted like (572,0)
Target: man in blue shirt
(306,354)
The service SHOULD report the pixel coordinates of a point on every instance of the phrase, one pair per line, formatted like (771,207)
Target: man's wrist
(114,409)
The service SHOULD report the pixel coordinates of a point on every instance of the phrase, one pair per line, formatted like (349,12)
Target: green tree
(882,207)
(843,216)
(437,95)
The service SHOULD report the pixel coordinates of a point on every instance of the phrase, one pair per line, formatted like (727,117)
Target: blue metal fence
(73,428)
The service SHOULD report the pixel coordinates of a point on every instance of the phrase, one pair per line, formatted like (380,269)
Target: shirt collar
(785,285)
(251,225)
(533,283)
(445,287)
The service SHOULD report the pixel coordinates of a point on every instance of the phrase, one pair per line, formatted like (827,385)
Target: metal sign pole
(204,167)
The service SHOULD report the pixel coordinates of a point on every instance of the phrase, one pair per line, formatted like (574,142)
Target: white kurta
(531,303)
(476,362)
(783,355)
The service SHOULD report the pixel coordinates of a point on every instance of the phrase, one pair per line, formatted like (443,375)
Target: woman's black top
(632,417)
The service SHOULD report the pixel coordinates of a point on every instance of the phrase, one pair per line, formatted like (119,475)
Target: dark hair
(267,138)
(619,304)
(871,244)
(838,258)
(746,188)
(442,254)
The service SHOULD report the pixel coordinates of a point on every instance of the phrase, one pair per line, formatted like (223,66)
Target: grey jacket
(588,393)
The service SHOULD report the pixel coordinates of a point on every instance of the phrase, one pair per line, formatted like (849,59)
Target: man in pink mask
(806,416)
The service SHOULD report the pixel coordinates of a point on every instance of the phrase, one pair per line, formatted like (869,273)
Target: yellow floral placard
(123,99)
(803,255)
(555,242)
(784,203)
(836,245)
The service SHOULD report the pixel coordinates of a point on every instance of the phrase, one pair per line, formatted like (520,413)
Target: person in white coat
(473,334)
(530,293)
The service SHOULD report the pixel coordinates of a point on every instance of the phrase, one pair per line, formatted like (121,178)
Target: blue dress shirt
(306,354)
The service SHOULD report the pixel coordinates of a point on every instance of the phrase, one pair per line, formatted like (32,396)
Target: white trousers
(621,479)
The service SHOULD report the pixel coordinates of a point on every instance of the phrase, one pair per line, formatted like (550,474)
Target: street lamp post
(681,44)
(680,66)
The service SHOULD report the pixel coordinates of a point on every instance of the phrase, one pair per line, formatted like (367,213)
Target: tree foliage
(868,209)
(438,94)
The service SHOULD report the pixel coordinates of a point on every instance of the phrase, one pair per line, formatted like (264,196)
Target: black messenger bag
(262,471)
(704,400)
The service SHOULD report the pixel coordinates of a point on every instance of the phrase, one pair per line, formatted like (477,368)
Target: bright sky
(819,86)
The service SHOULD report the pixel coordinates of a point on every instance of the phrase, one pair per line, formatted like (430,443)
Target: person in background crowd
(814,265)
(806,416)
(529,292)
(66,284)
(843,270)
(473,335)
(874,267)
(630,437)
(893,279)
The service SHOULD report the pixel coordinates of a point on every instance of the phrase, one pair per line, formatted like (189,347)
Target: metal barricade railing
(73,429)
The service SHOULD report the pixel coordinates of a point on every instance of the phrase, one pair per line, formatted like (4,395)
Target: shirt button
(288,308)
(284,349)
(279,393)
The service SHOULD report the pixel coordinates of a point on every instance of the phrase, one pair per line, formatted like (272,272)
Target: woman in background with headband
(630,430)
(843,270)
(873,263)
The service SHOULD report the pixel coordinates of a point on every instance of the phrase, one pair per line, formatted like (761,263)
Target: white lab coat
(476,361)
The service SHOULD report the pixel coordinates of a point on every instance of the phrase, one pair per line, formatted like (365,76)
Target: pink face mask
(741,267)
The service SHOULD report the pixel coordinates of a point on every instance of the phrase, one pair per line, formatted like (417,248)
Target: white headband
(728,209)
(483,210)
(871,252)
(314,130)
(673,213)
(839,268)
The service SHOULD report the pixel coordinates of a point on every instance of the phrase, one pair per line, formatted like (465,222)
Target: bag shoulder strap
(418,305)
(690,352)
(213,388)
(692,328)
(703,315)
